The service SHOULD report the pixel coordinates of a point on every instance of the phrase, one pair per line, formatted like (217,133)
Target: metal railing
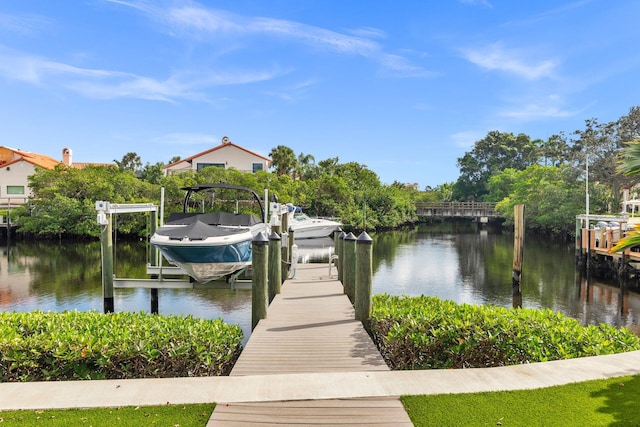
(457,209)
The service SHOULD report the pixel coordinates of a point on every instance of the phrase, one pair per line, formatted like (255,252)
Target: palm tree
(629,165)
(283,159)
(306,165)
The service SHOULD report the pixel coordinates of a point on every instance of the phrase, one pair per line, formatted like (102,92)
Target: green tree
(491,155)
(553,196)
(71,194)
(130,161)
(283,160)
(152,173)
(306,166)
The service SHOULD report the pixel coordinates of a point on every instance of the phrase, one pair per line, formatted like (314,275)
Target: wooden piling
(260,279)
(340,252)
(275,265)
(285,254)
(349,266)
(518,250)
(364,276)
(106,244)
(153,261)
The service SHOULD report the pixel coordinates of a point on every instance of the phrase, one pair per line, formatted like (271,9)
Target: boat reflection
(315,250)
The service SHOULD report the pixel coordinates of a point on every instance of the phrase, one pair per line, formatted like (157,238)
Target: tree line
(549,177)
(63,203)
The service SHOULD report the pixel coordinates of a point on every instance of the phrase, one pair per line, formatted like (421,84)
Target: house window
(15,189)
(255,167)
(206,165)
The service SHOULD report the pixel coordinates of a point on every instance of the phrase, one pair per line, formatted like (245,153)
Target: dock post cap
(350,236)
(260,239)
(342,235)
(364,238)
(274,236)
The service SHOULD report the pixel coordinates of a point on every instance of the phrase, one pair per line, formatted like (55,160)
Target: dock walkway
(310,328)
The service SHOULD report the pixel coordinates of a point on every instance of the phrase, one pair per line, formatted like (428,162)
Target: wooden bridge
(457,210)
(310,328)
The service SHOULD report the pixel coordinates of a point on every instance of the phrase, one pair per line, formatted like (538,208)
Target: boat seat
(214,218)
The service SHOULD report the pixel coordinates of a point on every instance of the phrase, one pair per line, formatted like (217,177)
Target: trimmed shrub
(42,346)
(430,333)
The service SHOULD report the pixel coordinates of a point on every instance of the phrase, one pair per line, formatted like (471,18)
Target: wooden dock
(310,328)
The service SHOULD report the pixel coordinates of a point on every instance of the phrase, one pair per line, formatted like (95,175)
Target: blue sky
(403,87)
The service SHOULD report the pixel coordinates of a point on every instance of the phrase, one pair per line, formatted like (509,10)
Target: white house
(17,165)
(15,168)
(226,155)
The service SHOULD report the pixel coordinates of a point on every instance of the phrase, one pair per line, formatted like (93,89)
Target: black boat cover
(197,230)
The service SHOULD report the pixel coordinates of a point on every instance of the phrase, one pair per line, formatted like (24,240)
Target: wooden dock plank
(348,412)
(310,327)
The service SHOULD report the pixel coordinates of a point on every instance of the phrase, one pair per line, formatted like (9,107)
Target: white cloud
(551,106)
(24,25)
(204,22)
(495,57)
(107,84)
(466,139)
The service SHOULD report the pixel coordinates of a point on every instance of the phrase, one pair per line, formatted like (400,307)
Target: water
(463,266)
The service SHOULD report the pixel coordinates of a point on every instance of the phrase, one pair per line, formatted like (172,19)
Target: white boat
(305,227)
(209,245)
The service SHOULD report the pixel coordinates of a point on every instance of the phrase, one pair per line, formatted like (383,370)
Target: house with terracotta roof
(67,159)
(17,165)
(15,168)
(226,155)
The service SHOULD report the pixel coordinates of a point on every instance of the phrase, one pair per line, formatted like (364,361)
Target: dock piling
(364,273)
(106,245)
(349,265)
(260,279)
(275,265)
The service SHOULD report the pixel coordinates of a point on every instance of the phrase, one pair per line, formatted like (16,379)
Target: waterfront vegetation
(411,333)
(549,177)
(43,346)
(430,333)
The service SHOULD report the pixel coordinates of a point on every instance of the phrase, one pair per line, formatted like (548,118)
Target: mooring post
(106,244)
(284,223)
(518,249)
(578,248)
(153,261)
(260,279)
(349,265)
(275,266)
(364,273)
(291,241)
(340,253)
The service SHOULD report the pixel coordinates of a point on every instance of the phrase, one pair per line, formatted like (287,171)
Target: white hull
(305,227)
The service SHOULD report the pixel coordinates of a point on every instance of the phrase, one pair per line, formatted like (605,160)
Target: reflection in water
(461,265)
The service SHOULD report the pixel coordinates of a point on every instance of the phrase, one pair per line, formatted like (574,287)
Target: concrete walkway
(310,386)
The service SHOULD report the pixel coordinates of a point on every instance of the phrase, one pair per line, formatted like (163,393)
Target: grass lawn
(611,402)
(166,415)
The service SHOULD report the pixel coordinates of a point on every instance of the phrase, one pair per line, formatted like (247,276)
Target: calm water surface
(469,266)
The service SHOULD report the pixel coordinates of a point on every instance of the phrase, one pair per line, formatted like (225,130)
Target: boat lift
(161,277)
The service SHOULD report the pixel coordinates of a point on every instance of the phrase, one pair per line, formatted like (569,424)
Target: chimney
(66,156)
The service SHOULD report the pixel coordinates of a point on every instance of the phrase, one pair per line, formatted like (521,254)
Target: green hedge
(426,333)
(39,346)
